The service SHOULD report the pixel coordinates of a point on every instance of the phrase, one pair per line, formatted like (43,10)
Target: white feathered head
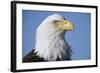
(50,42)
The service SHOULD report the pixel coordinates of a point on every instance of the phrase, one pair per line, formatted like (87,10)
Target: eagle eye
(57,22)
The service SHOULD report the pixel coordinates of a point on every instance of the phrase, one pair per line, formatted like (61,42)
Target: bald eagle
(50,41)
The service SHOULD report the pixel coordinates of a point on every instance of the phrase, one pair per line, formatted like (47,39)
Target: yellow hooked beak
(66,25)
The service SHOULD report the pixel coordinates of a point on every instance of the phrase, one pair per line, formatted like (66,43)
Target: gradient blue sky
(79,39)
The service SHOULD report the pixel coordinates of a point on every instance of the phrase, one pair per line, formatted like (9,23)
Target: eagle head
(50,42)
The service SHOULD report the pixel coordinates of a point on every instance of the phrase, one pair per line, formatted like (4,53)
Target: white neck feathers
(51,45)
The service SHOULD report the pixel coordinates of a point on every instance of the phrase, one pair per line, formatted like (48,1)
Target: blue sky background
(79,39)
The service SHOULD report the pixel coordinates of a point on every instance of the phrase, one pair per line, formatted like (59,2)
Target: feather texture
(50,43)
